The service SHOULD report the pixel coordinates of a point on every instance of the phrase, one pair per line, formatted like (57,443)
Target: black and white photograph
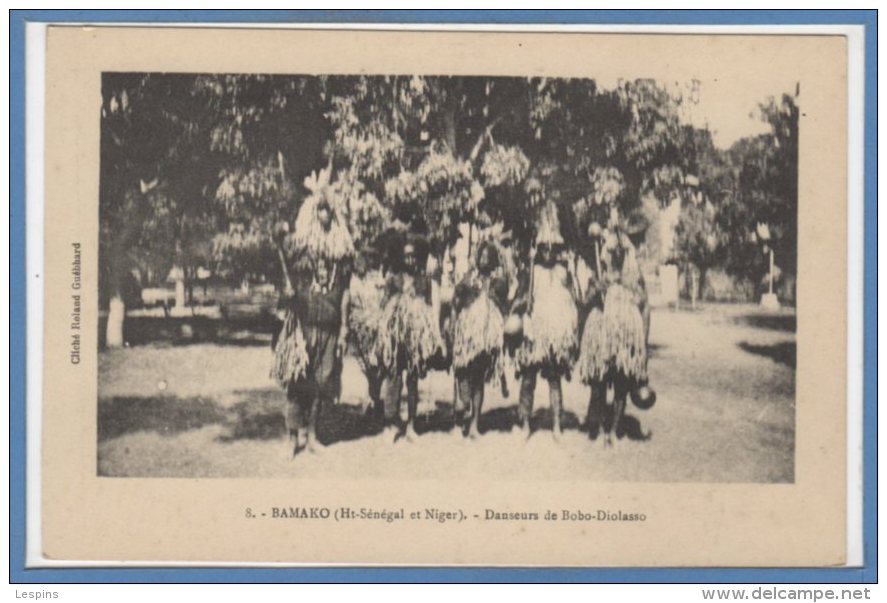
(447,298)
(427,276)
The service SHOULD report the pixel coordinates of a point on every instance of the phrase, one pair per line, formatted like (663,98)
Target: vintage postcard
(444,298)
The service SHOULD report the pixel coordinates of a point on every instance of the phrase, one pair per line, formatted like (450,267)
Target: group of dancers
(403,314)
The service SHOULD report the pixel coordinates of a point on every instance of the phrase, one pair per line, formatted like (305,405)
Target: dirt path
(725,413)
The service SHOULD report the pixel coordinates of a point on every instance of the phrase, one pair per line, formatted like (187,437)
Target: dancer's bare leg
(555,397)
(477,402)
(412,405)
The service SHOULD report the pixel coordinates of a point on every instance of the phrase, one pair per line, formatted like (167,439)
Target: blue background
(17,343)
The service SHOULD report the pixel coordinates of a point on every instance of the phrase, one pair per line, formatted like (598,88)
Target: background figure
(367,289)
(507,271)
(409,333)
(478,336)
(614,340)
(549,334)
(620,257)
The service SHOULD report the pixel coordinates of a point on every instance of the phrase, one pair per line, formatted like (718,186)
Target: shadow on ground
(630,426)
(784,352)
(167,415)
(259,416)
(773,322)
(177,331)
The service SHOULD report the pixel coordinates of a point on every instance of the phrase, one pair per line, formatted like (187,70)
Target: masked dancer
(550,323)
(309,349)
(409,338)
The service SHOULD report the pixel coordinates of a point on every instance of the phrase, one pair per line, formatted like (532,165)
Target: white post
(114,328)
(769,300)
(180,292)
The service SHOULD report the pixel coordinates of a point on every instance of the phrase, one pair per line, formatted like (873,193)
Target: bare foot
(391,433)
(292,449)
(473,432)
(522,432)
(313,445)
(410,434)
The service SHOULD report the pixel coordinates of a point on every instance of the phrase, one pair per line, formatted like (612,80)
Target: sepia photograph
(458,298)
(427,276)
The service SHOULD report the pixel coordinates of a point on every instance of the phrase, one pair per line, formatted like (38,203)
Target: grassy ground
(725,413)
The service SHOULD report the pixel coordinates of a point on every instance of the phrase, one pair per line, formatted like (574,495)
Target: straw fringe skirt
(408,338)
(550,331)
(364,321)
(291,359)
(614,338)
(478,333)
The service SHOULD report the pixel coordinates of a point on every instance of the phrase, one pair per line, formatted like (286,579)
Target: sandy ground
(725,413)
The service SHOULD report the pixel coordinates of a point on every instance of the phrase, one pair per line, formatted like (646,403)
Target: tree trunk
(119,267)
(116,303)
(702,273)
(114,328)
(449,123)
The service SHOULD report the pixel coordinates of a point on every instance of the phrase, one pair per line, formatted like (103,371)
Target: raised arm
(288,289)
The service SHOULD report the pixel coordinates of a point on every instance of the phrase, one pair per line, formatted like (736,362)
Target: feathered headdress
(311,236)
(548,225)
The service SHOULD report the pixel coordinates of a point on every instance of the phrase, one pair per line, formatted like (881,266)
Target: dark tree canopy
(203,170)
